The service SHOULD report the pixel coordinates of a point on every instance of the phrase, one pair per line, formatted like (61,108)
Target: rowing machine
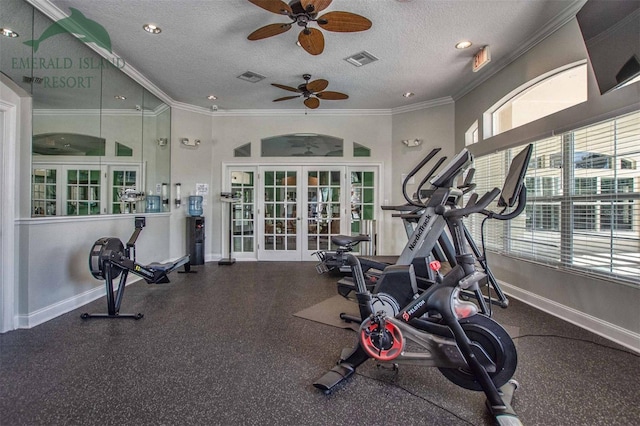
(109,258)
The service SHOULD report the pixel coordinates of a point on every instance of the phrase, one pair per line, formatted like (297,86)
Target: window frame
(490,119)
(598,223)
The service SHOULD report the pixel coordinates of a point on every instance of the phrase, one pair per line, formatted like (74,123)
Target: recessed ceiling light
(463,44)
(8,33)
(120,97)
(408,94)
(151,28)
(212,97)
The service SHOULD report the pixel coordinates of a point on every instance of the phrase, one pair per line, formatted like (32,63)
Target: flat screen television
(611,33)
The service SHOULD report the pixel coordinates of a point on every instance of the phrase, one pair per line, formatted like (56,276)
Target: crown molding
(277,112)
(90,112)
(423,105)
(53,12)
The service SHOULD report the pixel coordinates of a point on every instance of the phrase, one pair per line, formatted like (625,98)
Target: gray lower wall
(53,257)
(609,301)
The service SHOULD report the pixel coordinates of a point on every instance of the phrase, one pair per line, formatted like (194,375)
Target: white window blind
(583,201)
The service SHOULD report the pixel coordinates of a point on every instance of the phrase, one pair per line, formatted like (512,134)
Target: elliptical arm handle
(422,203)
(415,170)
(475,208)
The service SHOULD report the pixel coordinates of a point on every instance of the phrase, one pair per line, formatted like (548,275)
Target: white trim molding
(612,332)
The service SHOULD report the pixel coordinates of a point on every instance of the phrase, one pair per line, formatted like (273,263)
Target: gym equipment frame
(109,258)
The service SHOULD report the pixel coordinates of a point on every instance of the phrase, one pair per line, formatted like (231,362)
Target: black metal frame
(112,263)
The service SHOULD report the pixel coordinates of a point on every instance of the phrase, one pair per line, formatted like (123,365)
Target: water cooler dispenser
(195,239)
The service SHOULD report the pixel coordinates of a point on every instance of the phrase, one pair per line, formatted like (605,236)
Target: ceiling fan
(302,12)
(312,91)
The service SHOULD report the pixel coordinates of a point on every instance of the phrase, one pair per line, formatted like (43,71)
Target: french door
(295,210)
(301,207)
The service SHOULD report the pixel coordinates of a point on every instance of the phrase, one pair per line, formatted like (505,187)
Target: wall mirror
(101,142)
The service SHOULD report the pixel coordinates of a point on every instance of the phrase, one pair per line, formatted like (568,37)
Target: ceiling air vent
(27,79)
(251,77)
(360,59)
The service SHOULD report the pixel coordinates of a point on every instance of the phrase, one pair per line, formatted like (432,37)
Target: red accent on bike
(405,316)
(435,265)
(395,341)
(463,311)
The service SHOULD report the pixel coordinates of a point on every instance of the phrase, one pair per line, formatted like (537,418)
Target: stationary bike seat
(345,240)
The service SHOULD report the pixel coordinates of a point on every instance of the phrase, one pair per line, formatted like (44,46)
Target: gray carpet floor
(224,346)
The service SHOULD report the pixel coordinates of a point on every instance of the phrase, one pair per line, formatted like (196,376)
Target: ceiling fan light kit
(312,91)
(304,12)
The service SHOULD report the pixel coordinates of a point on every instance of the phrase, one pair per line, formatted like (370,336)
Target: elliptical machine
(429,239)
(469,348)
(109,259)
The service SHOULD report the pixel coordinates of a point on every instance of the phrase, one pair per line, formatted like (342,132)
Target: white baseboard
(617,334)
(55,310)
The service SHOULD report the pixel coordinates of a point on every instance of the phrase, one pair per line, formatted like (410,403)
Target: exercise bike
(109,258)
(428,239)
(337,260)
(469,348)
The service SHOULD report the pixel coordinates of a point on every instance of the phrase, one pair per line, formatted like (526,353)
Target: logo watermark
(85,30)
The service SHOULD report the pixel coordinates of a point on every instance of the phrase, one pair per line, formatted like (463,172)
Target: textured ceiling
(203,47)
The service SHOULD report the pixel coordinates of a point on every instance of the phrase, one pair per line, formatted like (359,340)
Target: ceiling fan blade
(275,6)
(311,40)
(269,31)
(286,98)
(343,22)
(312,103)
(317,85)
(289,88)
(318,5)
(332,96)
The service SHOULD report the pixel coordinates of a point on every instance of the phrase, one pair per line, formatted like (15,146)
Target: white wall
(221,133)
(15,104)
(607,307)
(435,126)
(189,166)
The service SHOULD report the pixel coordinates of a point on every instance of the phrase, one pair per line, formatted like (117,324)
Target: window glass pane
(584,217)
(242,151)
(302,145)
(541,98)
(361,150)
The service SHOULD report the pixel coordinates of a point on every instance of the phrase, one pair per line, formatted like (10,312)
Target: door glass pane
(323,208)
(280,227)
(83,192)
(44,192)
(362,200)
(242,186)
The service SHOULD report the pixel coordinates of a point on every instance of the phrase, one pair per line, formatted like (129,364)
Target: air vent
(251,77)
(26,79)
(360,59)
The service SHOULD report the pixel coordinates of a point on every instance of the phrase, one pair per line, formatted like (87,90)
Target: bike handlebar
(522,203)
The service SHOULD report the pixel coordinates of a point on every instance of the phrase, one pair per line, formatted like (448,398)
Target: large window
(583,201)
(540,97)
